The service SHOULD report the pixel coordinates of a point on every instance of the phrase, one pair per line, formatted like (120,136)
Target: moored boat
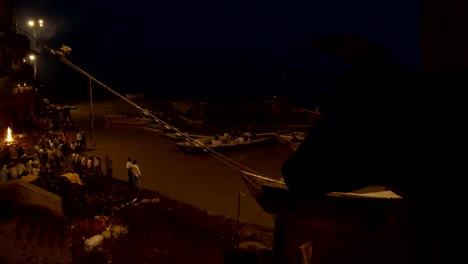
(193,122)
(127,120)
(293,140)
(180,136)
(156,128)
(219,144)
(130,96)
(272,194)
(291,126)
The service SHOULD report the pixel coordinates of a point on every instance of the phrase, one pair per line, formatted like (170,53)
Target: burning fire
(9,137)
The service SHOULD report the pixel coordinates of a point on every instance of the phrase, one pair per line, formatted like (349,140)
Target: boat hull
(188,148)
(179,137)
(152,129)
(193,122)
(125,120)
(156,128)
(288,140)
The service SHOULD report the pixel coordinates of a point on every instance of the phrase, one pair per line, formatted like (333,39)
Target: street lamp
(33,59)
(32,23)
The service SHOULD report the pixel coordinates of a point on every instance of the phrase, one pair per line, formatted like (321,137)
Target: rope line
(229,162)
(91,113)
(233,164)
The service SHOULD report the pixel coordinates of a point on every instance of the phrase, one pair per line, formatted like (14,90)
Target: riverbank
(112,223)
(161,227)
(152,228)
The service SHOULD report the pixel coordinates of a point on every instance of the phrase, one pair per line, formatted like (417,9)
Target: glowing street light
(32,23)
(33,58)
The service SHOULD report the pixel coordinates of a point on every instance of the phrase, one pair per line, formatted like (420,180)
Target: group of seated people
(219,140)
(16,170)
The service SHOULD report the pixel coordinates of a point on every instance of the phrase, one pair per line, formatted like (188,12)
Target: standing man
(97,166)
(108,166)
(78,139)
(129,172)
(83,139)
(136,175)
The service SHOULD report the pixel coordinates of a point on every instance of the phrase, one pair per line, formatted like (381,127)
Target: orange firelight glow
(9,137)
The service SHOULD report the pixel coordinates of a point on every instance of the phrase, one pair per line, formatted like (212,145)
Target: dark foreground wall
(444,40)
(32,226)
(356,230)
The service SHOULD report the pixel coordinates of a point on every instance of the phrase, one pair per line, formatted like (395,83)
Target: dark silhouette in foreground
(383,126)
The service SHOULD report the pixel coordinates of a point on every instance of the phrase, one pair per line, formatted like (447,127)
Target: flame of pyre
(9,137)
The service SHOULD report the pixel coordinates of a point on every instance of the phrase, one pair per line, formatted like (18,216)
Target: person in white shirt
(89,163)
(4,173)
(129,172)
(13,171)
(83,160)
(78,139)
(50,156)
(22,170)
(35,170)
(136,175)
(77,159)
(97,166)
(29,166)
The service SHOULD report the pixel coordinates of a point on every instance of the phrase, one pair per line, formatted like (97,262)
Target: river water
(200,180)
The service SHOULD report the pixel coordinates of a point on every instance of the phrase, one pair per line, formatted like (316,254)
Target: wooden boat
(182,107)
(192,122)
(291,126)
(293,140)
(156,128)
(71,107)
(163,130)
(179,136)
(218,145)
(130,96)
(271,194)
(126,120)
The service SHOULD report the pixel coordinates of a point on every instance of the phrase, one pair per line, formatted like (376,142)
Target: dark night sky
(192,43)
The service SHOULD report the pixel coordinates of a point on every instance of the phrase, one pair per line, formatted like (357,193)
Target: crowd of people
(56,148)
(52,152)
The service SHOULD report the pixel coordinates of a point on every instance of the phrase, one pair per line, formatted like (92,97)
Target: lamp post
(34,24)
(33,59)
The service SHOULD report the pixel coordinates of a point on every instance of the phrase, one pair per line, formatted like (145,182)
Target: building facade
(16,67)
